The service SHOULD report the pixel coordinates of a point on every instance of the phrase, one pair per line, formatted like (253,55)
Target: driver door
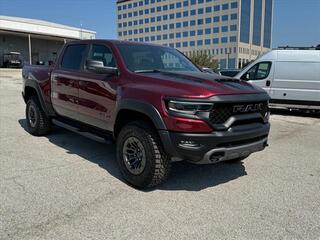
(259,75)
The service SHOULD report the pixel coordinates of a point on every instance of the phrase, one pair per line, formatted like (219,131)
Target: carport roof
(42,27)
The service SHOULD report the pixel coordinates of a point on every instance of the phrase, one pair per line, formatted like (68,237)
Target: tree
(204,60)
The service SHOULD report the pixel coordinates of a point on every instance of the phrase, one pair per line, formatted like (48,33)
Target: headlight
(186,107)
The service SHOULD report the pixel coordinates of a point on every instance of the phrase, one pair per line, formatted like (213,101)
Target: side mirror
(98,67)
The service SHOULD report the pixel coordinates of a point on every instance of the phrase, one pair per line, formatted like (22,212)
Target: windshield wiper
(148,71)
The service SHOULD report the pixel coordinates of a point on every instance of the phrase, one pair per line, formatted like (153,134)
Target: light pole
(228,54)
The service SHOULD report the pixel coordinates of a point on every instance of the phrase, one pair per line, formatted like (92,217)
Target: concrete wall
(42,49)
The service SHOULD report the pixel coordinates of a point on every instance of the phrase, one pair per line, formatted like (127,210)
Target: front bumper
(237,141)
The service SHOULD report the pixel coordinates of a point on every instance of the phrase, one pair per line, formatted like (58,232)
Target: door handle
(268,83)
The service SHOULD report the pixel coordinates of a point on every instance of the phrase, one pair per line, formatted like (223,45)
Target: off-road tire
(157,167)
(42,124)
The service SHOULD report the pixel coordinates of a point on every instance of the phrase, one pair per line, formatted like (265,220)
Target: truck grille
(221,112)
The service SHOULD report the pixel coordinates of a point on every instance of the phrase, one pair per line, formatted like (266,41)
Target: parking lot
(64,186)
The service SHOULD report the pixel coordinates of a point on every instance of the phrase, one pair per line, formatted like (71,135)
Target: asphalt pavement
(65,186)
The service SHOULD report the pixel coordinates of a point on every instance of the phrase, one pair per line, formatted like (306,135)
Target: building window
(208,20)
(178,25)
(233,27)
(216,8)
(185,24)
(178,5)
(192,22)
(171,35)
(233,39)
(192,33)
(185,44)
(200,21)
(200,11)
(158,37)
(200,42)
(224,29)
(200,32)
(224,18)
(178,45)
(225,6)
(171,6)
(185,3)
(178,35)
(165,7)
(215,40)
(185,34)
(233,16)
(178,15)
(185,13)
(234,5)
(216,30)
(171,16)
(216,19)
(257,17)
(207,42)
(208,9)
(192,43)
(208,31)
(193,12)
(224,39)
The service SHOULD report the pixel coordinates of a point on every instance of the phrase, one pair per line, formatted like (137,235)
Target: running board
(81,132)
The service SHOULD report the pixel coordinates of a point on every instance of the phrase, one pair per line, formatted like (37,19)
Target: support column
(30,57)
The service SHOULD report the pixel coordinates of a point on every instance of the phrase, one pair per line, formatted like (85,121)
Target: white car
(291,77)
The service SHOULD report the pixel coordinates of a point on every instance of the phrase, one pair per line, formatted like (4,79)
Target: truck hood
(198,84)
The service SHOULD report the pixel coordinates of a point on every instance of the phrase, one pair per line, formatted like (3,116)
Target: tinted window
(73,56)
(103,54)
(149,57)
(257,72)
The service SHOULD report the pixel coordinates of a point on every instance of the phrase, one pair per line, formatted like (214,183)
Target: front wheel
(38,123)
(140,155)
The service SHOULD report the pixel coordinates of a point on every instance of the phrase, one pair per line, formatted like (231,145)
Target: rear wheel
(38,123)
(140,155)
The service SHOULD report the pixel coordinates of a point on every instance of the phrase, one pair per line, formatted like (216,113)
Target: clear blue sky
(296,22)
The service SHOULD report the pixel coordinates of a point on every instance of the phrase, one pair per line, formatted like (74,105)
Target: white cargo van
(291,77)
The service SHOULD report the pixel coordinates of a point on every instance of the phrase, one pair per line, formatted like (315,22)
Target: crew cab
(152,101)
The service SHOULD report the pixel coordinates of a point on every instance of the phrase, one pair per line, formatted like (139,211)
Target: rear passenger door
(97,91)
(65,81)
(260,74)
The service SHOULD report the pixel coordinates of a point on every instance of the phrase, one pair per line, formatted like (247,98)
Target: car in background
(12,60)
(290,77)
(229,72)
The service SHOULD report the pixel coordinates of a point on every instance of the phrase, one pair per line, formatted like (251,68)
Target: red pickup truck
(152,101)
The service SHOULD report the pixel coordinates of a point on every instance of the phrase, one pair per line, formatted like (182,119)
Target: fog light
(267,116)
(189,144)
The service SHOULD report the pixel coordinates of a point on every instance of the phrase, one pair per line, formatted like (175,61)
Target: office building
(233,31)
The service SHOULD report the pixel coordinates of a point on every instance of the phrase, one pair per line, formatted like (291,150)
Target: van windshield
(149,58)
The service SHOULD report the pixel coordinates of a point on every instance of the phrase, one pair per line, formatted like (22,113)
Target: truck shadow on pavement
(184,175)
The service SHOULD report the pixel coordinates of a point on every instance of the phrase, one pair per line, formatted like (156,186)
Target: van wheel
(140,156)
(38,123)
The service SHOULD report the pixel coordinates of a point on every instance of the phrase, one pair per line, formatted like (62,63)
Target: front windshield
(149,58)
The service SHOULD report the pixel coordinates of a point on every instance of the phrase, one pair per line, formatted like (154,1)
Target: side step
(81,132)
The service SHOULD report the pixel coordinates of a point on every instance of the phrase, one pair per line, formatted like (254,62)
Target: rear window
(73,56)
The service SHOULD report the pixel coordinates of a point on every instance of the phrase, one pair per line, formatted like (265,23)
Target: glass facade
(267,24)
(257,15)
(245,21)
